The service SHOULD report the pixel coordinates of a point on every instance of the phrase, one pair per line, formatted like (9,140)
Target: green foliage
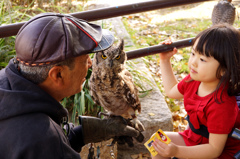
(140,77)
(14,11)
(185,28)
(10,14)
(7,50)
(143,33)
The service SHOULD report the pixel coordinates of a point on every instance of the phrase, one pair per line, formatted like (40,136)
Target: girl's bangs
(209,44)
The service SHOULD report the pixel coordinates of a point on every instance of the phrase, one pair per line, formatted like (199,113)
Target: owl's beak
(111,63)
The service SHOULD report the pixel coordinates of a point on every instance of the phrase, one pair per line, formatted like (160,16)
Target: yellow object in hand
(158,135)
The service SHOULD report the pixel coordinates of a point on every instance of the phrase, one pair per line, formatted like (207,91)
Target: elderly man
(51,63)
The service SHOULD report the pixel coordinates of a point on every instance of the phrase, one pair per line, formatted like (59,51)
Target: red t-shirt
(219,118)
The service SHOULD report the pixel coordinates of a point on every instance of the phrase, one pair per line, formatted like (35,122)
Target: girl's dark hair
(222,42)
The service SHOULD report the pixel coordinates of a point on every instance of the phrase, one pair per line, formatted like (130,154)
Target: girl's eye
(202,60)
(192,53)
(104,57)
(118,57)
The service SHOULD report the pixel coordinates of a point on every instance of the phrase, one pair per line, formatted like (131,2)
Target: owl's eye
(118,57)
(104,57)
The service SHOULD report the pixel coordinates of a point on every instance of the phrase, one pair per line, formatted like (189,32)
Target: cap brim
(106,41)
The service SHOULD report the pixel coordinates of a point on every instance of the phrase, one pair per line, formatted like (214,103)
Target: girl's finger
(166,42)
(175,50)
(159,146)
(160,143)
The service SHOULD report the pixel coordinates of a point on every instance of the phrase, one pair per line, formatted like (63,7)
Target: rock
(113,24)
(116,26)
(120,31)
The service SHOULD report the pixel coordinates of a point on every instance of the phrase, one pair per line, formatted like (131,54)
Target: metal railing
(110,12)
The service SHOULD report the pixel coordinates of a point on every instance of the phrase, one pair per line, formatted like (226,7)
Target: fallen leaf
(151,114)
(134,156)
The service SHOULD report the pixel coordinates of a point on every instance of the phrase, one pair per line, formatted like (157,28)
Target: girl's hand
(165,150)
(169,54)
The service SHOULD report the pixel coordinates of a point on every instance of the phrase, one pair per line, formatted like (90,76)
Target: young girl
(208,93)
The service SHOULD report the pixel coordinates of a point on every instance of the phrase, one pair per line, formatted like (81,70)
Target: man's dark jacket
(30,121)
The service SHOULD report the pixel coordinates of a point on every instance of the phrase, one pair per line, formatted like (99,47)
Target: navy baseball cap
(51,37)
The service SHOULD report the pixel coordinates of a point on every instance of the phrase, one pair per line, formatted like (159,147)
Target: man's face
(77,75)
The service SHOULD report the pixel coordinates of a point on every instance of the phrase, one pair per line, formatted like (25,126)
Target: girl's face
(203,68)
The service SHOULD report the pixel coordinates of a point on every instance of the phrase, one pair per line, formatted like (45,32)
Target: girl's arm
(211,150)
(169,80)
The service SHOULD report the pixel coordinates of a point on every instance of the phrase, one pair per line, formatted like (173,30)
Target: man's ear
(55,75)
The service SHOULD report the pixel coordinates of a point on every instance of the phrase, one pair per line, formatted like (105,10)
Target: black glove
(97,130)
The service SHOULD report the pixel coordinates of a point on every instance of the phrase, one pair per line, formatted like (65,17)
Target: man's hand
(96,129)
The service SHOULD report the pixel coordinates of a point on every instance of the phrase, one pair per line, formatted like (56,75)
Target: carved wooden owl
(223,12)
(112,86)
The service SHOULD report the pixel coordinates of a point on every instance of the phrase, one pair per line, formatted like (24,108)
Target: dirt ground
(106,152)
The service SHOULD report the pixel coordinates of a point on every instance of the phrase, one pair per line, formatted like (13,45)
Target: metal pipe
(12,29)
(158,48)
(115,11)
